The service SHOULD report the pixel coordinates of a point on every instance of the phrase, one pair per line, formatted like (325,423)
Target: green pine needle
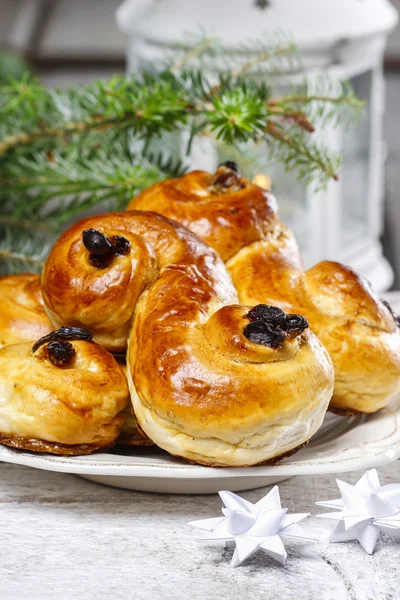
(67,153)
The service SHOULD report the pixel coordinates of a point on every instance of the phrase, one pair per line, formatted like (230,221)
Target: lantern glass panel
(355,168)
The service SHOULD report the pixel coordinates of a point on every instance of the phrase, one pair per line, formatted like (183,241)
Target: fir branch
(65,153)
(149,107)
(263,57)
(207,54)
(323,100)
(79,179)
(208,43)
(161,103)
(21,257)
(298,153)
(47,227)
(19,253)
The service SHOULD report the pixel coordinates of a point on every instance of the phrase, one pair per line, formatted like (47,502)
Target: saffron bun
(65,395)
(22,314)
(211,381)
(241,222)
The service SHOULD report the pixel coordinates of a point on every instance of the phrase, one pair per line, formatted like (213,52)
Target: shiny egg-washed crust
(240,220)
(22,314)
(199,388)
(73,409)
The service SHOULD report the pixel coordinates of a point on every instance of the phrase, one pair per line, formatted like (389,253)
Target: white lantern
(343,38)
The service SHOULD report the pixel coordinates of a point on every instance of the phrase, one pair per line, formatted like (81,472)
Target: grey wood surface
(64,538)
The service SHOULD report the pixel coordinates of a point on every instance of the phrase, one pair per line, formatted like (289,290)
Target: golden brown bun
(82,295)
(240,221)
(225,221)
(199,387)
(22,315)
(71,409)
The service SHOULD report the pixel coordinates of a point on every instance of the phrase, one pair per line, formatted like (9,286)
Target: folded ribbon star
(249,527)
(366,509)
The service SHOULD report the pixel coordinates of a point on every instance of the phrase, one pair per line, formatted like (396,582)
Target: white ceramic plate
(342,444)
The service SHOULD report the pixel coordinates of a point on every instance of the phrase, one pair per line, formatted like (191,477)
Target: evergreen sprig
(65,153)
(81,177)
(23,253)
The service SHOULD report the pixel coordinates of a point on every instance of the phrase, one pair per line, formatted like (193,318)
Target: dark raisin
(102,249)
(265,312)
(97,243)
(230,164)
(270,326)
(64,333)
(295,324)
(60,353)
(121,245)
(227,180)
(262,333)
(100,262)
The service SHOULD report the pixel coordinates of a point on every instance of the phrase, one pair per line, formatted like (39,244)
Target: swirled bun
(65,395)
(238,403)
(22,314)
(214,383)
(225,210)
(240,220)
(78,290)
(361,333)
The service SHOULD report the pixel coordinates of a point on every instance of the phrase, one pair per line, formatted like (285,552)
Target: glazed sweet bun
(63,395)
(241,221)
(22,314)
(225,210)
(362,334)
(249,393)
(78,290)
(211,381)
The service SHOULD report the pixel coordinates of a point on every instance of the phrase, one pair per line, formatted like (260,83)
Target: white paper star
(252,526)
(366,509)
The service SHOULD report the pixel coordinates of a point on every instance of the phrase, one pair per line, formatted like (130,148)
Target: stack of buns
(233,352)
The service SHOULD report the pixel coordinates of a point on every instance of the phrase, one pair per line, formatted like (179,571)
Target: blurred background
(67,42)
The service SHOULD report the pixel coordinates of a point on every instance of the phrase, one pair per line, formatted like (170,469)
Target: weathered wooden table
(64,538)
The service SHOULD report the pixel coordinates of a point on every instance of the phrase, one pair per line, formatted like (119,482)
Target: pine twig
(76,145)
(9,255)
(308,99)
(262,58)
(300,149)
(26,224)
(192,53)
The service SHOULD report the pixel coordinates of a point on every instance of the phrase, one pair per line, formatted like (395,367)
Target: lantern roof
(312,23)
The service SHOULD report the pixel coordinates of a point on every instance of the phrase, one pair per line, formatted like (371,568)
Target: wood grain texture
(66,538)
